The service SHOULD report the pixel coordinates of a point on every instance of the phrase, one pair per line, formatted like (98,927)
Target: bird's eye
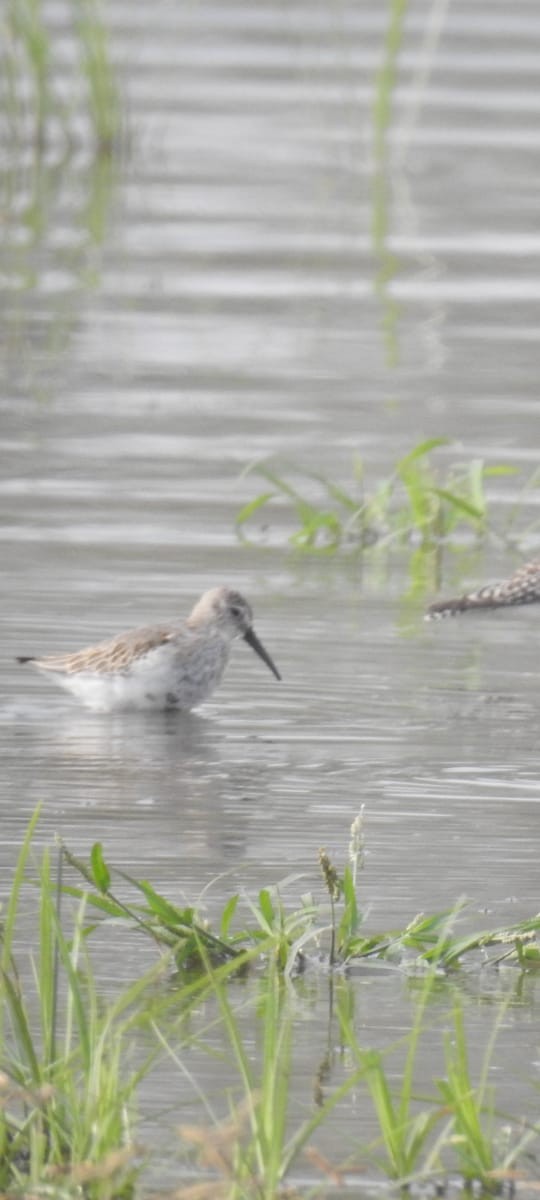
(236,611)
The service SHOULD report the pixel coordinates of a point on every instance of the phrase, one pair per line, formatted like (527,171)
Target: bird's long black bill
(252,640)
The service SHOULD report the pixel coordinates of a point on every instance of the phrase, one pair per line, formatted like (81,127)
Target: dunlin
(523,587)
(174,665)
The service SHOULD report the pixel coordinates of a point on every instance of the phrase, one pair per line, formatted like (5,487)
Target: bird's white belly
(157,680)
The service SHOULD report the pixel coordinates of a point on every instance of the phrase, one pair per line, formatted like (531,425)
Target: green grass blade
(477,512)
(500,469)
(254,505)
(47,982)
(68,952)
(420,451)
(337,493)
(21,1028)
(227,915)
(100,871)
(10,918)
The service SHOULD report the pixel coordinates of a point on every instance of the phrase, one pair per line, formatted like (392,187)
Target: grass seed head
(330,875)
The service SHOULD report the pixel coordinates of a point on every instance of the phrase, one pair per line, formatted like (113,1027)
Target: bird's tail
(485,597)
(523,587)
(22,658)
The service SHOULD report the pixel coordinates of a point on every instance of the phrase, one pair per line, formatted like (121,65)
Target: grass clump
(419,503)
(487,1149)
(256,1148)
(67,1089)
(406,1127)
(334,932)
(251,1152)
(458,1129)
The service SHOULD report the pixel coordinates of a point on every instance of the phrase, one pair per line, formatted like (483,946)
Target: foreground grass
(72,1062)
(293,937)
(66,1093)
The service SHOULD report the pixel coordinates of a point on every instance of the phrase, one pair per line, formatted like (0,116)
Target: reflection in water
(50,95)
(387,262)
(49,267)
(163,776)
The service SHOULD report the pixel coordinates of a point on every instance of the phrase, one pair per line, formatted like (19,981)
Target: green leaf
(281,484)
(21,1027)
(317,523)
(349,923)
(105,904)
(161,908)
(465,506)
(528,954)
(337,493)
(501,469)
(420,451)
(254,505)
(227,915)
(475,478)
(100,871)
(9,920)
(420,495)
(266,906)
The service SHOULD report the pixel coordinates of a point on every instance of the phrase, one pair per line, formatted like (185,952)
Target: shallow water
(222,298)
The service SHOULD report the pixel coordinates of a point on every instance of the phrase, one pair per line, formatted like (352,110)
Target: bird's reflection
(172,787)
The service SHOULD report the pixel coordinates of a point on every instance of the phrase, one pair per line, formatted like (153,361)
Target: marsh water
(272,271)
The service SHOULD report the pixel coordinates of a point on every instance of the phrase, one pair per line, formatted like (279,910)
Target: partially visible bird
(523,587)
(172,665)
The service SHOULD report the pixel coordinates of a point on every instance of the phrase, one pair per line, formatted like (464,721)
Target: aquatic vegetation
(31,105)
(26,68)
(405,1129)
(60,133)
(485,1147)
(418,503)
(66,1089)
(255,1149)
(104,103)
(282,933)
(172,928)
(72,1061)
(459,1127)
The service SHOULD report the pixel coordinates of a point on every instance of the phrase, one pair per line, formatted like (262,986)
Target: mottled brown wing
(115,654)
(523,587)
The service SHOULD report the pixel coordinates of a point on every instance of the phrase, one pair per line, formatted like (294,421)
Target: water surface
(273,276)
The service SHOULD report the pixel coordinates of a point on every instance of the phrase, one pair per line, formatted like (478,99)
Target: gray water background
(221,297)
